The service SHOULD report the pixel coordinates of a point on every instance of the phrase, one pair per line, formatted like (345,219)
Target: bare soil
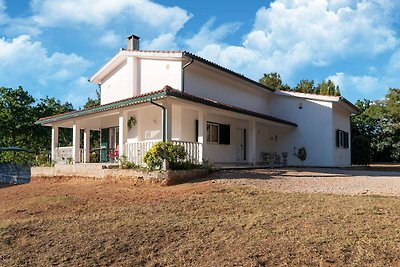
(241,218)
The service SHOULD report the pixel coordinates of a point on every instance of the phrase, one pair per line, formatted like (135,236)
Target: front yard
(207,223)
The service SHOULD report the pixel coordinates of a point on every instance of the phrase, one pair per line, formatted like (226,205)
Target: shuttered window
(218,133)
(342,139)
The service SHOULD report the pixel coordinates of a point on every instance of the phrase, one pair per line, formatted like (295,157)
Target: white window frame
(210,136)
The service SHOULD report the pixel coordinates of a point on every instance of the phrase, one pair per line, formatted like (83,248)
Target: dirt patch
(215,222)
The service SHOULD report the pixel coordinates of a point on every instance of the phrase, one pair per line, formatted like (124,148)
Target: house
(217,114)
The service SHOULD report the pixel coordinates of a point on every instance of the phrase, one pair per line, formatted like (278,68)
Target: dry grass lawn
(118,223)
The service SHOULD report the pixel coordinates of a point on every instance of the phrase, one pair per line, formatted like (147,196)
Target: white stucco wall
(341,121)
(212,84)
(314,131)
(157,73)
(120,83)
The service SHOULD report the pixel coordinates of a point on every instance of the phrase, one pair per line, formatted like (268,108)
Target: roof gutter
(183,73)
(164,124)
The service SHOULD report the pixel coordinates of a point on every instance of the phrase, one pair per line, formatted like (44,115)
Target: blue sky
(52,47)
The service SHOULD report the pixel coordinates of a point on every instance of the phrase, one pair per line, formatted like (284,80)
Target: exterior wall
(148,125)
(187,125)
(212,84)
(217,153)
(157,73)
(314,130)
(341,121)
(121,83)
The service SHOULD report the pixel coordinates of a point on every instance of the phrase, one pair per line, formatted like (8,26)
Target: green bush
(164,150)
(125,164)
(43,160)
(360,150)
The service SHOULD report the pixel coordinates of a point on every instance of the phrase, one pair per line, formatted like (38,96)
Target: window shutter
(224,134)
(196,130)
(346,140)
(337,138)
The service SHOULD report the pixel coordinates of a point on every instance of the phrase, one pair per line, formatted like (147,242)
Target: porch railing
(135,151)
(192,150)
(63,154)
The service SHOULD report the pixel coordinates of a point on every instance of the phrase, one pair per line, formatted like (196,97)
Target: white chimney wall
(133,42)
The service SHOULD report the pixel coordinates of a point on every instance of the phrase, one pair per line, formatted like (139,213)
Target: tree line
(18,113)
(273,80)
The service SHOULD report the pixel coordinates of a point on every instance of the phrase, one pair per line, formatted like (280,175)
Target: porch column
(168,121)
(54,142)
(76,142)
(86,145)
(123,132)
(252,142)
(202,136)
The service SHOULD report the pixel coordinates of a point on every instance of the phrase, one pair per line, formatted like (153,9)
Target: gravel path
(315,180)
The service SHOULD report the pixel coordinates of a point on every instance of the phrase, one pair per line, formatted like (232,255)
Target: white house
(217,114)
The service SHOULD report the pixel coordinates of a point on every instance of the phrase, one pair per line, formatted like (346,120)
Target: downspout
(183,74)
(164,125)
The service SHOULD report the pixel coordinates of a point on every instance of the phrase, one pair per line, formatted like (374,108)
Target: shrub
(125,164)
(360,150)
(164,150)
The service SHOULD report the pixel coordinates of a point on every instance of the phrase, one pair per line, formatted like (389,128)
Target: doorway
(241,145)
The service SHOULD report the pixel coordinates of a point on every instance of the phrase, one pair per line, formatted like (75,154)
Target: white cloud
(3,14)
(141,17)
(110,39)
(292,35)
(394,63)
(364,86)
(207,35)
(25,62)
(53,13)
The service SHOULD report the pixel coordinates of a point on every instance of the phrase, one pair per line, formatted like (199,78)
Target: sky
(52,47)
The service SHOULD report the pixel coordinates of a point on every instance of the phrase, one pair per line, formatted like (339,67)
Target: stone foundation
(98,171)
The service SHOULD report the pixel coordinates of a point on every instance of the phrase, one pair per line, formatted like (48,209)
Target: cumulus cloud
(208,35)
(25,62)
(3,14)
(292,35)
(110,39)
(364,86)
(152,19)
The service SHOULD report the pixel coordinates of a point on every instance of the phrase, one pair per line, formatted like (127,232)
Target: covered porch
(209,131)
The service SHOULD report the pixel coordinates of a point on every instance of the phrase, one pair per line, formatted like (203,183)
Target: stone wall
(98,171)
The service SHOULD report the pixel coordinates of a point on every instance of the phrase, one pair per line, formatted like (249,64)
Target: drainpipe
(183,74)
(164,125)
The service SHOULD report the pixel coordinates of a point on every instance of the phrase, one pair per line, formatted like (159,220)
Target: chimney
(133,42)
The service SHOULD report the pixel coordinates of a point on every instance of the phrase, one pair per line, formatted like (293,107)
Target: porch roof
(165,92)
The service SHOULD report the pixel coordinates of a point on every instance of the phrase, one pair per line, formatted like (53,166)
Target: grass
(203,224)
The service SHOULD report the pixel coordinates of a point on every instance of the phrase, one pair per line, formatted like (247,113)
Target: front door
(241,144)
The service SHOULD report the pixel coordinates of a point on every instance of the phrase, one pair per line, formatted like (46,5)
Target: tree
(273,80)
(305,86)
(16,117)
(322,88)
(91,103)
(42,137)
(379,121)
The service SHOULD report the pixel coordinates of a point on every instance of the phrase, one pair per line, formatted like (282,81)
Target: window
(218,133)
(212,132)
(342,139)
